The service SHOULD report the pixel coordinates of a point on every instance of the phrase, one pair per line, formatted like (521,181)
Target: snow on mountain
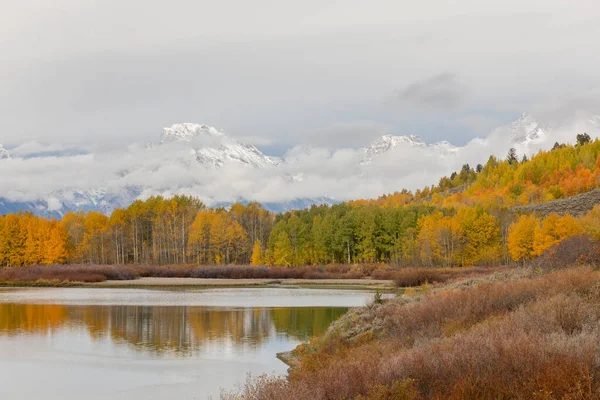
(213,148)
(57,203)
(196,159)
(526,130)
(444,147)
(98,199)
(232,150)
(388,142)
(523,131)
(188,131)
(284,206)
(4,154)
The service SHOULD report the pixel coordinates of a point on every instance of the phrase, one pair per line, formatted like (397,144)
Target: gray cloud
(480,124)
(443,91)
(107,73)
(351,134)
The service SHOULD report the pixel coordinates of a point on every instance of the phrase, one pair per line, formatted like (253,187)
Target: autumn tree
(257,257)
(591,222)
(282,250)
(521,236)
(552,230)
(55,246)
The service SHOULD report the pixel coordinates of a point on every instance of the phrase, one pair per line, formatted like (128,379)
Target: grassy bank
(124,275)
(520,334)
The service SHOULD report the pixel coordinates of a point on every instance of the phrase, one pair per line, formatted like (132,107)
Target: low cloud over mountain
(203,161)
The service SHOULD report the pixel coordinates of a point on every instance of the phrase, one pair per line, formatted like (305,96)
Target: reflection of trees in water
(302,323)
(31,318)
(171,328)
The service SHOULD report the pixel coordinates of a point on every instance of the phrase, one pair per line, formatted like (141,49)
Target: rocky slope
(574,205)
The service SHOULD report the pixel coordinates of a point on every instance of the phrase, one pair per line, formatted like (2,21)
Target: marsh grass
(524,337)
(98,273)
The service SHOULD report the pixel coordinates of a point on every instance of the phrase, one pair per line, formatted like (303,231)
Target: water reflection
(181,330)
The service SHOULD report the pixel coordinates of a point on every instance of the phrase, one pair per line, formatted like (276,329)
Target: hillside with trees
(466,219)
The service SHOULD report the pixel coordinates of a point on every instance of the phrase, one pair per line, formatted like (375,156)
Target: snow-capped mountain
(98,199)
(209,147)
(4,154)
(526,130)
(523,131)
(389,142)
(296,204)
(213,148)
(187,132)
(203,161)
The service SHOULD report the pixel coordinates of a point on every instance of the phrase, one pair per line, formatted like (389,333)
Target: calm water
(153,344)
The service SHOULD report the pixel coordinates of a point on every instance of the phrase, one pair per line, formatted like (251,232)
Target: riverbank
(208,282)
(378,276)
(511,334)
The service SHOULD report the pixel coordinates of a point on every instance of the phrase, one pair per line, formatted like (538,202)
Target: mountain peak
(388,142)
(525,130)
(217,151)
(4,154)
(188,131)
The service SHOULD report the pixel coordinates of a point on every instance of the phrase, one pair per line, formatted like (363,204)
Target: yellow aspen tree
(55,249)
(567,226)
(37,234)
(520,238)
(199,236)
(545,235)
(256,258)
(73,225)
(591,222)
(218,238)
(3,241)
(552,231)
(15,238)
(236,239)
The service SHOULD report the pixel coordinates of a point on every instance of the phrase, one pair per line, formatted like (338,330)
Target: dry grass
(99,273)
(66,273)
(519,337)
(410,277)
(579,249)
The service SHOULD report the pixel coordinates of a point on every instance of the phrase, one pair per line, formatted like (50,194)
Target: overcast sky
(279,73)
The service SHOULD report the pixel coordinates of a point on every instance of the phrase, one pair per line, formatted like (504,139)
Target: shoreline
(155,282)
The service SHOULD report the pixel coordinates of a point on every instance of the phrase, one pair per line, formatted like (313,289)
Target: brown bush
(66,273)
(533,337)
(410,277)
(575,250)
(95,273)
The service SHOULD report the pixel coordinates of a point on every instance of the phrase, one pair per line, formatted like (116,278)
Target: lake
(74,343)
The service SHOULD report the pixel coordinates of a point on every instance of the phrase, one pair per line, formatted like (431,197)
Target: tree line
(435,226)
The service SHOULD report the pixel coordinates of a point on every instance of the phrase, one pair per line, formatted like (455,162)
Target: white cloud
(93,76)
(54,204)
(171,168)
(88,72)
